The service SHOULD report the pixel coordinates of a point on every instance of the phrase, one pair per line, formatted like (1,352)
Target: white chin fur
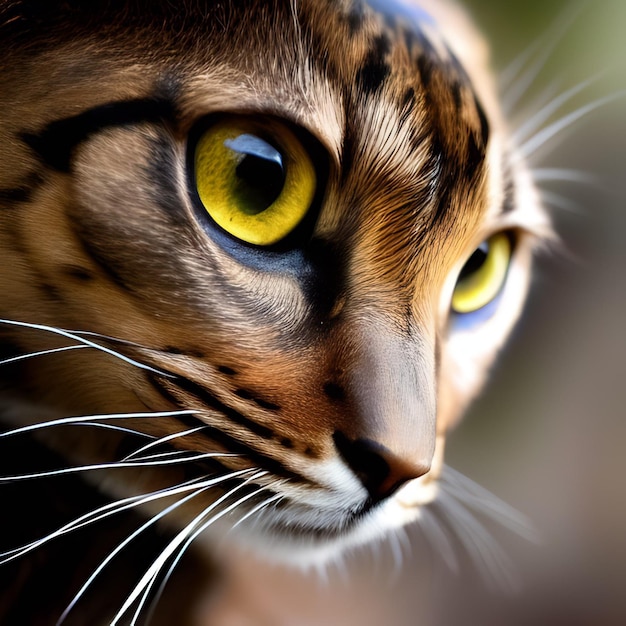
(307,552)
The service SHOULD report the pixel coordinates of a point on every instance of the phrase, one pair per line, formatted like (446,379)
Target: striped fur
(278,354)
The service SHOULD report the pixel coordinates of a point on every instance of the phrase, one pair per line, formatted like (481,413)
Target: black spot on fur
(456,95)
(228,371)
(51,292)
(355,19)
(334,391)
(266,404)
(172,350)
(196,354)
(106,268)
(78,273)
(375,69)
(244,393)
(408,99)
(24,191)
(425,68)
(287,443)
(475,156)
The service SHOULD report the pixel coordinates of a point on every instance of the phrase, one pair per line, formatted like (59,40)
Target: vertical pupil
(475,262)
(260,173)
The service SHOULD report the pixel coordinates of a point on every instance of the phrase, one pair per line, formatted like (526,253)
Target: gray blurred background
(549,434)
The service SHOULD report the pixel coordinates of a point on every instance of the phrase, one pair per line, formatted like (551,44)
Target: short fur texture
(277,359)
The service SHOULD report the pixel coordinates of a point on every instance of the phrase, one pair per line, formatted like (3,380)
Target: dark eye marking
(24,191)
(55,143)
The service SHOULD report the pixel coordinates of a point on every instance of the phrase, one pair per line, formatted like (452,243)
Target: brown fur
(352,336)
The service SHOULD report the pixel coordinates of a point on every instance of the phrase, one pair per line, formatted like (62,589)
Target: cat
(257,259)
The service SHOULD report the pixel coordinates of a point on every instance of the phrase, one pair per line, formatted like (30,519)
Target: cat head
(300,227)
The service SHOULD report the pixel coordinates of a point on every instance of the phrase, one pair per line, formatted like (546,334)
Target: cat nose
(380,471)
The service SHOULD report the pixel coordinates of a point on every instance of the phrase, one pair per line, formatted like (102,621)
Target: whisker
(470,492)
(165,439)
(112,509)
(541,116)
(546,174)
(64,421)
(121,429)
(557,29)
(32,355)
(181,538)
(558,201)
(258,507)
(123,544)
(86,342)
(494,566)
(547,43)
(435,531)
(114,465)
(540,138)
(174,564)
(396,551)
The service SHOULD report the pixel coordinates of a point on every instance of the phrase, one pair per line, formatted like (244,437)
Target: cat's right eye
(256,181)
(483,275)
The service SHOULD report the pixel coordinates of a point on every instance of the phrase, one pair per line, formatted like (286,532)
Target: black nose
(380,471)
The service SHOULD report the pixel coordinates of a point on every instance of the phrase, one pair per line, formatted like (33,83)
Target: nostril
(380,471)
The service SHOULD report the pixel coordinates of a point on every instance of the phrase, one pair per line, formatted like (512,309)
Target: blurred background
(548,435)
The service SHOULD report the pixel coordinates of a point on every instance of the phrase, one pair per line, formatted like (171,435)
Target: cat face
(300,228)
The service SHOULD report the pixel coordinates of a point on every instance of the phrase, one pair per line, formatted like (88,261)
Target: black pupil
(260,173)
(475,262)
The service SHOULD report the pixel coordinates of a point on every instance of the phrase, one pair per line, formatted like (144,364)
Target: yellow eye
(256,181)
(483,275)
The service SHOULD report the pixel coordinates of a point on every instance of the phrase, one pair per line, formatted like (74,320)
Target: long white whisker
(89,333)
(547,44)
(541,116)
(557,29)
(540,138)
(161,440)
(173,455)
(396,551)
(547,174)
(182,551)
(181,538)
(86,342)
(558,201)
(436,534)
(114,465)
(121,429)
(32,355)
(116,507)
(471,493)
(122,545)
(497,570)
(258,507)
(64,421)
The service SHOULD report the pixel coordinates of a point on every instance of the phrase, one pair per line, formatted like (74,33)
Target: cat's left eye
(256,181)
(483,275)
